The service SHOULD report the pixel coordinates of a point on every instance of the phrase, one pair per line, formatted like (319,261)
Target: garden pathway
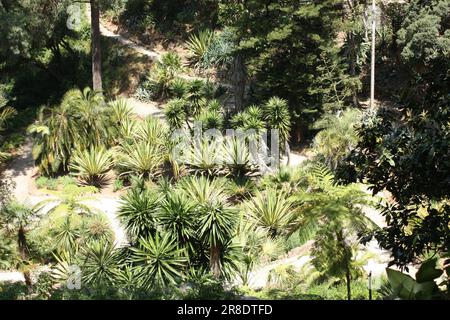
(21,171)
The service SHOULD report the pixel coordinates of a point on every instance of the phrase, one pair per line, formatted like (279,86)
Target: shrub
(41,182)
(66,181)
(118,185)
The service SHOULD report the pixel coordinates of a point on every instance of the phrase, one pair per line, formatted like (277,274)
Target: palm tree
(277,116)
(6,112)
(55,135)
(16,218)
(217,222)
(77,123)
(89,109)
(159,261)
(70,201)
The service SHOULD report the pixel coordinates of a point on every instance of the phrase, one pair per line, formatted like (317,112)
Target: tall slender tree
(97,84)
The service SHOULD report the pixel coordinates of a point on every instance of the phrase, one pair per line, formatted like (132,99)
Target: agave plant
(137,212)
(143,159)
(92,166)
(126,132)
(159,260)
(220,52)
(271,210)
(198,45)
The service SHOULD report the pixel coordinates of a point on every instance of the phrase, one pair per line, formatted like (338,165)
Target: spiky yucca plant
(137,211)
(277,116)
(198,45)
(204,157)
(271,210)
(159,260)
(177,215)
(211,119)
(151,130)
(175,111)
(101,263)
(237,157)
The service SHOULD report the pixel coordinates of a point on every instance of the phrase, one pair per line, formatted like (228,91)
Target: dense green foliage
(191,214)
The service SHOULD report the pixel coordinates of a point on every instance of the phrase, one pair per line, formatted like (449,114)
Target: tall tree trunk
(96,47)
(215,260)
(352,45)
(23,251)
(287,149)
(239,82)
(348,281)
(350,7)
(22,243)
(347,256)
